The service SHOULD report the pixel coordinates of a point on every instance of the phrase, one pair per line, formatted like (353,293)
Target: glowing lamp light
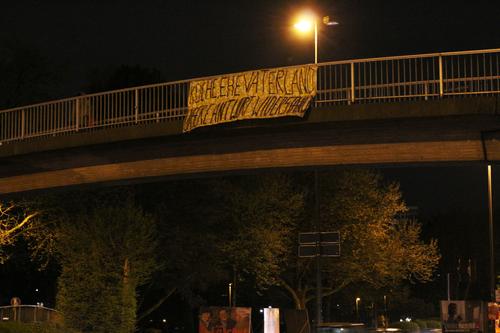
(304,25)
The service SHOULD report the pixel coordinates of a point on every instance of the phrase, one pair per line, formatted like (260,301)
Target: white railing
(29,314)
(424,76)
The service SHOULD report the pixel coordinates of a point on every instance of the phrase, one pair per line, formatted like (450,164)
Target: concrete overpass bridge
(425,108)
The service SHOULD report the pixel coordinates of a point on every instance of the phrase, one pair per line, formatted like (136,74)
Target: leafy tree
(262,220)
(14,220)
(376,248)
(106,247)
(190,229)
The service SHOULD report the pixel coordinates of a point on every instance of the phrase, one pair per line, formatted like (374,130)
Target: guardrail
(29,314)
(376,80)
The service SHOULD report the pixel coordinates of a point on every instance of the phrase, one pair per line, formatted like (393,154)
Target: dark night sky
(195,38)
(187,39)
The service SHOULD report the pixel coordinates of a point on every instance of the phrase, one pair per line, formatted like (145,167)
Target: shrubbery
(422,324)
(432,324)
(417,325)
(406,326)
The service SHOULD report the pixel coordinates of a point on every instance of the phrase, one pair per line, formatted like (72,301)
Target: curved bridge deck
(412,109)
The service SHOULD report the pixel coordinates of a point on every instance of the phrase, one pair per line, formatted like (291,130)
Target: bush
(421,323)
(431,324)
(13,327)
(406,326)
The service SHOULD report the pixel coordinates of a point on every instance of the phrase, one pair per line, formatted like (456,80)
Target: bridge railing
(423,76)
(29,314)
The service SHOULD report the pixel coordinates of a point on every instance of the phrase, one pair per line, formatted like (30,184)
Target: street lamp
(357,307)
(308,21)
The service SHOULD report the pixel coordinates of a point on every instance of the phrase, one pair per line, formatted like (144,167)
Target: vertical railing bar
(460,75)
(491,73)
(497,73)
(175,99)
(77,114)
(465,73)
(404,83)
(128,105)
(108,111)
(62,117)
(352,83)
(155,102)
(440,76)
(46,123)
(332,78)
(57,119)
(477,73)
(112,118)
(22,123)
(50,119)
(151,102)
(47,120)
(136,105)
(422,77)
(398,62)
(387,82)
(416,86)
(120,106)
(453,88)
(484,73)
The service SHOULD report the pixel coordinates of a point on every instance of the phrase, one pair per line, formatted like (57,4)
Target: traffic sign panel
(308,238)
(330,249)
(330,237)
(306,251)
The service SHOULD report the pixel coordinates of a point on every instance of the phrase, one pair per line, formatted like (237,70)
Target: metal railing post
(136,105)
(77,114)
(23,118)
(440,76)
(352,82)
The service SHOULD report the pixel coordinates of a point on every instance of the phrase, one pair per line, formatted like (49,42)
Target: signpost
(323,244)
(317,245)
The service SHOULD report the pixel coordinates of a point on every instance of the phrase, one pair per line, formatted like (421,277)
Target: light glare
(303,25)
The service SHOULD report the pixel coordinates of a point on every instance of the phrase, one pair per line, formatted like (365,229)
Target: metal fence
(29,314)
(424,76)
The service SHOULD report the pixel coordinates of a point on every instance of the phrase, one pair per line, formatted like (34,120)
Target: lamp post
(308,21)
(305,22)
(357,307)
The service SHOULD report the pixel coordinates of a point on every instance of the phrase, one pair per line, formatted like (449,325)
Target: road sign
(308,238)
(330,250)
(308,250)
(324,244)
(330,237)
(314,237)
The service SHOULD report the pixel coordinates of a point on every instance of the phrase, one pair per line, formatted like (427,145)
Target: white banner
(271,320)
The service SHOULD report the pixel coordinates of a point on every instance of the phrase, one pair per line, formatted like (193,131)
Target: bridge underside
(456,137)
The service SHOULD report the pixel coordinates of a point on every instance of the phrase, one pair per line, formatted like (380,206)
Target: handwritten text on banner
(257,94)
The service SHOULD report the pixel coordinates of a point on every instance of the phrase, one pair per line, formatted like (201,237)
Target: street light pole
(357,308)
(315,41)
(492,241)
(309,21)
(319,296)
